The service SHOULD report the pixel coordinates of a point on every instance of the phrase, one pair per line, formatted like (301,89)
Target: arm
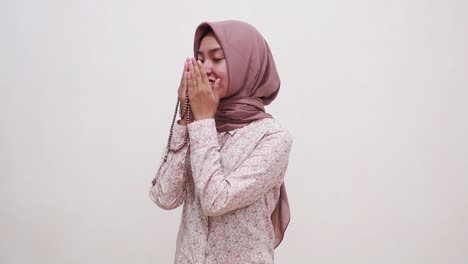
(168,186)
(220,193)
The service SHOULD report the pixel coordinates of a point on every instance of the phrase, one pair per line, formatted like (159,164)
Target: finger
(203,75)
(193,76)
(197,72)
(217,89)
(185,69)
(189,84)
(185,76)
(187,60)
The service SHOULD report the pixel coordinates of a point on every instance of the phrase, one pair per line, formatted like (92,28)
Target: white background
(374,92)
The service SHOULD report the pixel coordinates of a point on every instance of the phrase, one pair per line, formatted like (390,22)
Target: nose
(208,66)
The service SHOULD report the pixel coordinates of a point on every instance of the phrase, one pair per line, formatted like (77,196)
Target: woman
(230,172)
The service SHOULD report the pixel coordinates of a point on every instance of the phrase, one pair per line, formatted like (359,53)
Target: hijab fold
(253,83)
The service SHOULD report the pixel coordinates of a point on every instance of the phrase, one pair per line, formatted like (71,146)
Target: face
(214,62)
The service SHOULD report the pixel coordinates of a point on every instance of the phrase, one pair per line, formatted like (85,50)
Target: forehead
(209,43)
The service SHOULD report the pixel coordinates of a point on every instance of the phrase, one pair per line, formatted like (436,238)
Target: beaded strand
(185,113)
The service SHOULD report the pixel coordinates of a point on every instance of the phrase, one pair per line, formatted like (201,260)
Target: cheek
(221,72)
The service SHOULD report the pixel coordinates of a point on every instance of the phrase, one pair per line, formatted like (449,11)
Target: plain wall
(374,92)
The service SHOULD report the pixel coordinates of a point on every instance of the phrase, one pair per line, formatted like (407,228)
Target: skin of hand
(204,98)
(182,92)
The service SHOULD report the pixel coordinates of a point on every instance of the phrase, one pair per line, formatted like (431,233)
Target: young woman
(226,157)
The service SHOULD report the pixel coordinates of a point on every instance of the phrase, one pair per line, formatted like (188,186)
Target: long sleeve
(220,193)
(168,186)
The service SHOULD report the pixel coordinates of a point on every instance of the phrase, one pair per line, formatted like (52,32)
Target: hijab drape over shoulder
(253,83)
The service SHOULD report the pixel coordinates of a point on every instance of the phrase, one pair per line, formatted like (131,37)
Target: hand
(203,98)
(181,94)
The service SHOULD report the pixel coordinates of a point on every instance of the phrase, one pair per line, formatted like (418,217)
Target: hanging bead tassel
(185,113)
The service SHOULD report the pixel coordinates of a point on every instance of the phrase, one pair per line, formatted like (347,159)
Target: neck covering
(253,83)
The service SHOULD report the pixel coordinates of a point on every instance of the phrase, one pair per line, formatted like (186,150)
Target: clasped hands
(203,98)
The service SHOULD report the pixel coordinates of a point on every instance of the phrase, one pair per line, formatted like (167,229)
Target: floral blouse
(229,183)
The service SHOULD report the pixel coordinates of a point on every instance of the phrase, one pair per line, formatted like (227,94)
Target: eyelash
(217,60)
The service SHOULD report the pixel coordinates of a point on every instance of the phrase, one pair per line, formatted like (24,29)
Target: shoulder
(273,130)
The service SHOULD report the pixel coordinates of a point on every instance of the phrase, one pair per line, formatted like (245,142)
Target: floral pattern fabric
(229,184)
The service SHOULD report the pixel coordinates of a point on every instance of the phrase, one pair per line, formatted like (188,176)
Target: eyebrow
(210,51)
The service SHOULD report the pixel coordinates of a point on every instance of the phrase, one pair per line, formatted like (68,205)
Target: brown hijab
(253,83)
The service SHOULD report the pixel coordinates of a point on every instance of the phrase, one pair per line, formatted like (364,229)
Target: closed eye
(215,59)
